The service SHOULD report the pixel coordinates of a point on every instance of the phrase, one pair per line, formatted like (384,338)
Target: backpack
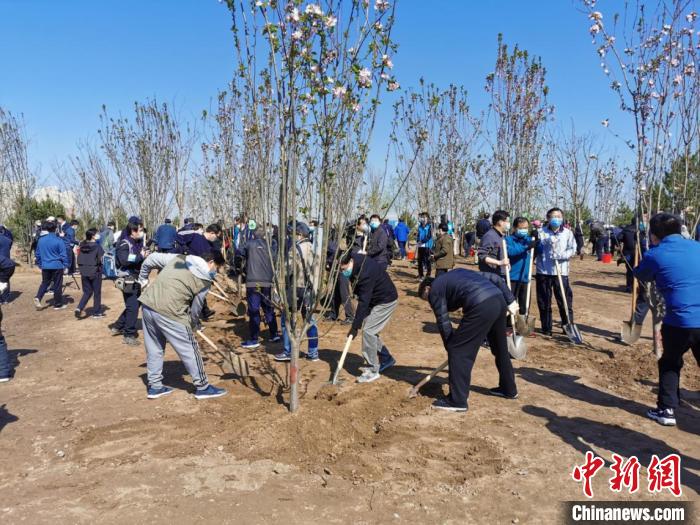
(109,266)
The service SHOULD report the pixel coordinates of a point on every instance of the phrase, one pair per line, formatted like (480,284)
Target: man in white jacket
(556,244)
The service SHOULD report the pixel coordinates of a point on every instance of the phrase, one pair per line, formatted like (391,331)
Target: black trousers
(52,278)
(677,341)
(128,318)
(579,243)
(92,287)
(485,320)
(519,289)
(641,308)
(546,284)
(424,264)
(341,296)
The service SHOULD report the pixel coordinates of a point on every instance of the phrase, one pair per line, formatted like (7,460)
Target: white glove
(513,308)
(3,287)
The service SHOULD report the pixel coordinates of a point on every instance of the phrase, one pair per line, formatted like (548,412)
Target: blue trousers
(128,318)
(54,277)
(402,249)
(260,298)
(92,287)
(311,332)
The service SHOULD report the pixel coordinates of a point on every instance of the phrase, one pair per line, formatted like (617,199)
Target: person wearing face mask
(444,251)
(556,243)
(376,301)
(490,253)
(674,265)
(518,244)
(378,244)
(90,263)
(362,233)
(425,246)
(171,310)
(129,255)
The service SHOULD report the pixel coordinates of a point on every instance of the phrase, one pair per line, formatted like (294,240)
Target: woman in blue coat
(519,244)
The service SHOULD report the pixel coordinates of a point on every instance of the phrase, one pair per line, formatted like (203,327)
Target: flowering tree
(319,68)
(519,112)
(436,136)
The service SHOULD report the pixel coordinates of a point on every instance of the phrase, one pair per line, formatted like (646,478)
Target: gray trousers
(374,323)
(157,330)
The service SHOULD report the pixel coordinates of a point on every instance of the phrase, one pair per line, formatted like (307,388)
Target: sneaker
(155,393)
(312,356)
(37,303)
(500,393)
(252,343)
(50,292)
(368,376)
(5,379)
(131,341)
(98,315)
(116,331)
(663,416)
(77,313)
(330,316)
(387,364)
(348,321)
(275,339)
(60,307)
(283,356)
(209,392)
(444,403)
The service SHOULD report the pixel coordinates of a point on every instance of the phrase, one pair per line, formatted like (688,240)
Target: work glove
(65,271)
(3,287)
(513,308)
(352,333)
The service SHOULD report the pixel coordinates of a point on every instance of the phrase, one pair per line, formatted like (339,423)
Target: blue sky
(61,60)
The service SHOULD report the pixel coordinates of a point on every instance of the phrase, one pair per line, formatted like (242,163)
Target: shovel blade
(630,332)
(573,334)
(520,324)
(517,347)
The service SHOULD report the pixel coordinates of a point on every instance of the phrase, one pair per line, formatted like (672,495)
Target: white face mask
(97,237)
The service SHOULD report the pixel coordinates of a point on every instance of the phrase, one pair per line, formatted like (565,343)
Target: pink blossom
(393,85)
(313,9)
(691,17)
(331,21)
(689,70)
(356,107)
(594,29)
(297,35)
(387,61)
(674,62)
(596,16)
(605,123)
(378,26)
(381,5)
(294,15)
(365,77)
(339,91)
(384,76)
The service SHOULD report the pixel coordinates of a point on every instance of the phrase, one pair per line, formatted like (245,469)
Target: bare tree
(17,181)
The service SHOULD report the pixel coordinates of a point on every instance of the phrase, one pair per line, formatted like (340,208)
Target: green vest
(172,293)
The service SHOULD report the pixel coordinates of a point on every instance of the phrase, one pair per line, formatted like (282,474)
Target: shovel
(334,381)
(240,367)
(526,324)
(630,332)
(427,379)
(570,329)
(517,348)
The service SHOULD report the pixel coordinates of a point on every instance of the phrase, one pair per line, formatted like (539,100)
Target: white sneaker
(368,376)
(37,303)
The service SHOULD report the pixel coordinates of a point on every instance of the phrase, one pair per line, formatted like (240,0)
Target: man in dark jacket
(165,237)
(189,225)
(674,264)
(7,269)
(52,258)
(193,242)
(490,251)
(378,245)
(90,255)
(483,225)
(631,238)
(376,301)
(129,256)
(5,255)
(484,299)
(259,280)
(444,251)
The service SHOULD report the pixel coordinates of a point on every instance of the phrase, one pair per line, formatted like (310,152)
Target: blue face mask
(212,275)
(521,232)
(555,223)
(347,273)
(374,225)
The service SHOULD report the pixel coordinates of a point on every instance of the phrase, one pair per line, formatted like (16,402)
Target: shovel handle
(220,288)
(208,341)
(342,359)
(214,294)
(427,379)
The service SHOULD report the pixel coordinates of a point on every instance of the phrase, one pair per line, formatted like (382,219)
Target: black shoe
(348,320)
(77,313)
(500,393)
(330,316)
(444,403)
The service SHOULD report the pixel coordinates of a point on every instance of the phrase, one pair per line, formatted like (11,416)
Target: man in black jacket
(491,257)
(376,301)
(90,255)
(378,245)
(629,238)
(482,297)
(129,255)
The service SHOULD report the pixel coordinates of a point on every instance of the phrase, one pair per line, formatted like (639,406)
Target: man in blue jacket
(674,264)
(484,300)
(401,233)
(425,246)
(52,258)
(165,237)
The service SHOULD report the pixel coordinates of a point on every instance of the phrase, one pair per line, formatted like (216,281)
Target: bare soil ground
(80,443)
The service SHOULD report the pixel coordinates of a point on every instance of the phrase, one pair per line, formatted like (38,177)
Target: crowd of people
(188,259)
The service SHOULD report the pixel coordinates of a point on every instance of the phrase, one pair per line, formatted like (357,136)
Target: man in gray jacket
(171,311)
(258,281)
